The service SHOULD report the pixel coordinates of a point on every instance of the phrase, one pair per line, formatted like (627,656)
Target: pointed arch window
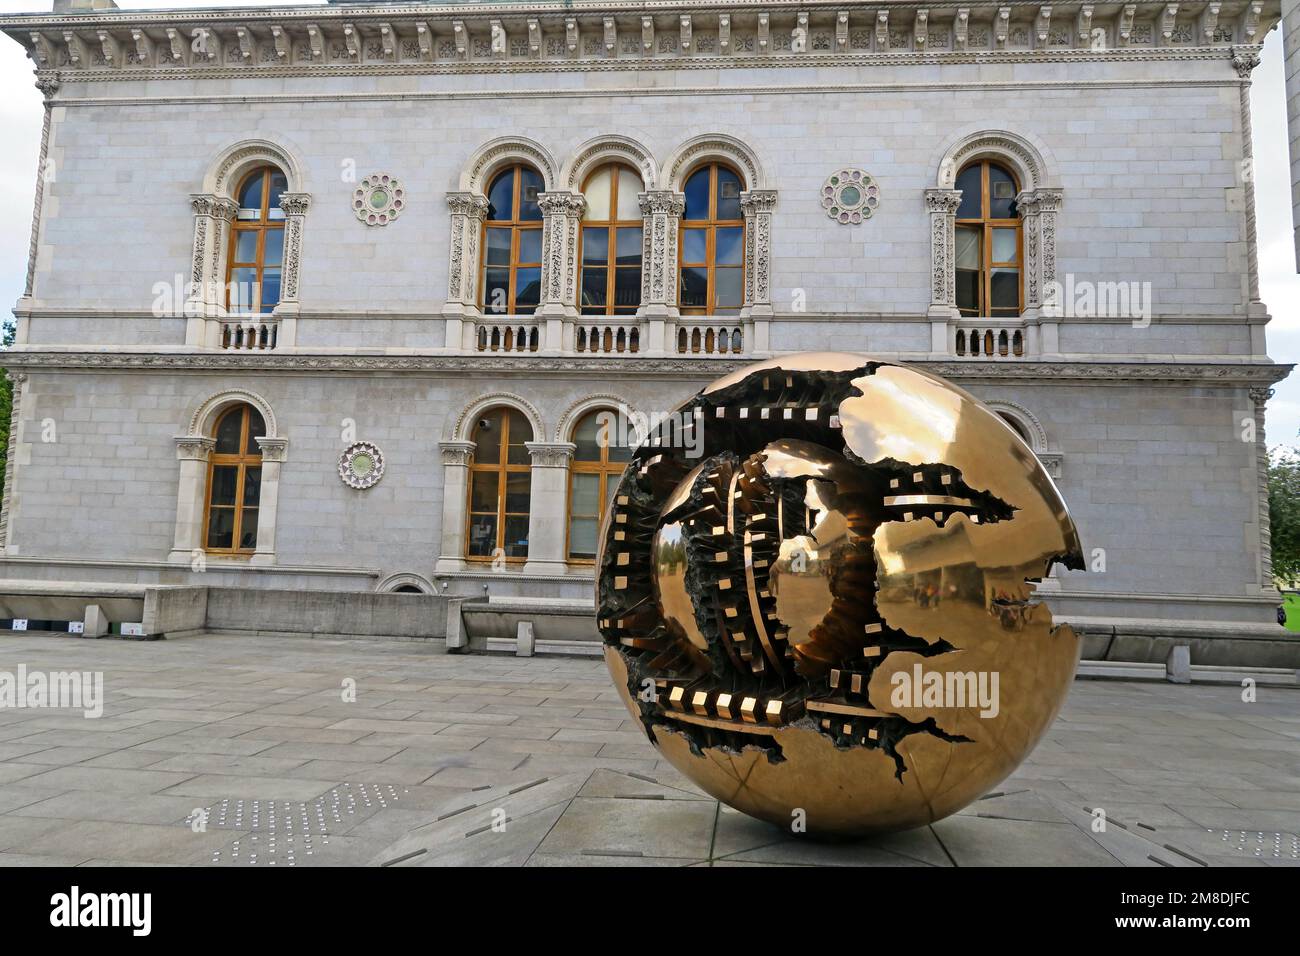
(512,243)
(256,259)
(234,482)
(712,247)
(611,242)
(500,487)
(598,462)
(989,242)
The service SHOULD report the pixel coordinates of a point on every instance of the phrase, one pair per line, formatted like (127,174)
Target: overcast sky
(20,119)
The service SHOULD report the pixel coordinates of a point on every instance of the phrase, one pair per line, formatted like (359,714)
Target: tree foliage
(1284,514)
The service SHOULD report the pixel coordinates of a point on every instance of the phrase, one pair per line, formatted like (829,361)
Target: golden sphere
(816,587)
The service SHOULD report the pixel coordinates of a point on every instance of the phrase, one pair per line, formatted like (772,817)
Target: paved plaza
(475,760)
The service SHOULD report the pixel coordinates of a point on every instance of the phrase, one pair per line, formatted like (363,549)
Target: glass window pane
(597,196)
(731,291)
(482,535)
(586,494)
(627,243)
(697,195)
(487,435)
(248,529)
(529,189)
(968,291)
(968,247)
(582,537)
(695,245)
(501,197)
(594,286)
(221,527)
(729,246)
(530,245)
(498,246)
(243,290)
(250,196)
(595,245)
(256,430)
(1004,245)
(278,185)
(595,428)
(695,287)
(273,247)
(245,245)
(520,430)
(483,492)
(629,189)
(620,453)
(228,431)
(969,181)
(275,213)
(728,194)
(516,543)
(270,289)
(1004,289)
(528,289)
(517,492)
(496,290)
(225,479)
(252,486)
(1002,194)
(627,287)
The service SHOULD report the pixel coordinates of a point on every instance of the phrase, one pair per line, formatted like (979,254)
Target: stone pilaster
(1244,61)
(942,205)
(1259,399)
(661,211)
(548,506)
(18,380)
(205,298)
(273,454)
(456,458)
(757,205)
(48,88)
(562,218)
(468,211)
(193,452)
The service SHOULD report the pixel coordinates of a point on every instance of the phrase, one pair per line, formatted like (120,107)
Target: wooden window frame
(711,227)
(502,468)
(242,461)
(262,225)
(607,470)
(612,226)
(516,227)
(986,226)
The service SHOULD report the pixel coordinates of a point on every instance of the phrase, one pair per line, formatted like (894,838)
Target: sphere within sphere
(815,586)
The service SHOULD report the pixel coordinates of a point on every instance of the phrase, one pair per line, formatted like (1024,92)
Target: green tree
(1284,514)
(6,403)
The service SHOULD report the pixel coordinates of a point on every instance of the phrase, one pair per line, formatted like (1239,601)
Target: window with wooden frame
(512,243)
(712,247)
(257,243)
(611,242)
(989,241)
(598,462)
(234,483)
(500,487)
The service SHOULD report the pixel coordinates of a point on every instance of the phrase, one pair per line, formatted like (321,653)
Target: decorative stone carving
(379,199)
(942,205)
(561,212)
(361,465)
(468,210)
(457,453)
(550,454)
(756,205)
(661,210)
(850,196)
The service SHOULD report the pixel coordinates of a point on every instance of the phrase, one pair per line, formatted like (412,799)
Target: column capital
(1244,60)
(757,201)
(209,204)
(942,200)
(273,449)
(468,204)
(295,204)
(194,447)
(550,454)
(662,202)
(560,203)
(457,452)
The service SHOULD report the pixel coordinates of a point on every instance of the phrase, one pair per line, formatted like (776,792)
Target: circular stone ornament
(850,196)
(361,465)
(379,199)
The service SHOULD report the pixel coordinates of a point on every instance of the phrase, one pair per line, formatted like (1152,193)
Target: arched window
(712,243)
(234,482)
(500,487)
(512,243)
(598,461)
(611,242)
(257,243)
(989,243)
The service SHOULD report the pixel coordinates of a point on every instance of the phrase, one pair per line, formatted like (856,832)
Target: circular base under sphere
(816,593)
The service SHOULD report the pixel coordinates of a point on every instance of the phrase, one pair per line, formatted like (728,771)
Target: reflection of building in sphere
(850,525)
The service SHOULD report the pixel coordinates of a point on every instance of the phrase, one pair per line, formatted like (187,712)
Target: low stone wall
(346,614)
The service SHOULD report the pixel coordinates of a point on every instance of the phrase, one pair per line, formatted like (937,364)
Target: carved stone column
(548,506)
(1040,260)
(48,88)
(18,380)
(757,205)
(273,455)
(468,210)
(562,217)
(942,205)
(295,206)
(1244,61)
(456,458)
(193,452)
(205,297)
(661,211)
(1259,399)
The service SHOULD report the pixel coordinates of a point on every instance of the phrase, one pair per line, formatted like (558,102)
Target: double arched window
(234,482)
(512,243)
(598,461)
(611,242)
(257,243)
(712,244)
(500,487)
(989,242)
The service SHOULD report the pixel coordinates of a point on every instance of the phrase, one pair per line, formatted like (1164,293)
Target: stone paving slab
(492,760)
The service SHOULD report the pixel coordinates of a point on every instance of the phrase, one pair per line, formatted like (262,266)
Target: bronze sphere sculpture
(816,591)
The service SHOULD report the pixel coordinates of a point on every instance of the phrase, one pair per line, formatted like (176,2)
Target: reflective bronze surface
(826,618)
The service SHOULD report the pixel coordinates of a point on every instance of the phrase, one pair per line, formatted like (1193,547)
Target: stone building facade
(792,176)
